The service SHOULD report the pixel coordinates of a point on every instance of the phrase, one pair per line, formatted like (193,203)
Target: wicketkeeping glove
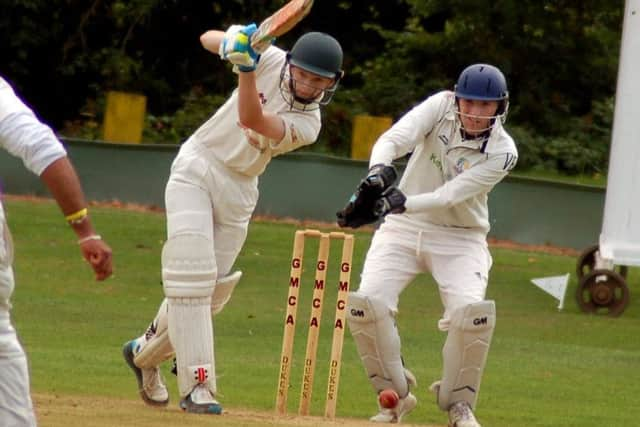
(380,178)
(360,208)
(236,47)
(391,201)
(358,212)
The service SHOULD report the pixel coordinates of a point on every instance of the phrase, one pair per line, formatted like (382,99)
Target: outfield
(546,368)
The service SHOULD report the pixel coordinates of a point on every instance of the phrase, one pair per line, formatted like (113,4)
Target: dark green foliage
(560,59)
(176,128)
(583,147)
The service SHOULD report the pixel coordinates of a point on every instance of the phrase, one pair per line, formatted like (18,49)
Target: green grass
(545,368)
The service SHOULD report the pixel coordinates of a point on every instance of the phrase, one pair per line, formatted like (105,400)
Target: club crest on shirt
(436,161)
(263,99)
(461,165)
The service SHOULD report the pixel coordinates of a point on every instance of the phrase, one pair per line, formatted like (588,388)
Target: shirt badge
(461,165)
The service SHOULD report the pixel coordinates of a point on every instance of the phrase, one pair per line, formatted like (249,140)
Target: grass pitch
(545,368)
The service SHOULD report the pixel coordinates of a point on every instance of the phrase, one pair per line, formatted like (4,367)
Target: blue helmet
(483,82)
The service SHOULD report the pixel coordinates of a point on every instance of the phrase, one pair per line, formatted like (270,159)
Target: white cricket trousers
(204,197)
(458,259)
(16,408)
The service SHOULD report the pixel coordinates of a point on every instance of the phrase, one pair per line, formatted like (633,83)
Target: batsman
(436,220)
(212,192)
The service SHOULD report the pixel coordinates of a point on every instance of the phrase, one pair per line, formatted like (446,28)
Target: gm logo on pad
(480,321)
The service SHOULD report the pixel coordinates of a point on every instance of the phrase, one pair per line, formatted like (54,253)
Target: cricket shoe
(461,415)
(150,385)
(394,415)
(201,401)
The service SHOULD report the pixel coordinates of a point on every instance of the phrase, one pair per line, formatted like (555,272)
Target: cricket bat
(283,20)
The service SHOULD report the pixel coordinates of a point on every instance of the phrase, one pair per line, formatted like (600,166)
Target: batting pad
(465,353)
(154,345)
(188,266)
(376,336)
(191,334)
(223,290)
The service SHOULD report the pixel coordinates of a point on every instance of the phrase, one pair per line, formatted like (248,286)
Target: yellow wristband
(76,217)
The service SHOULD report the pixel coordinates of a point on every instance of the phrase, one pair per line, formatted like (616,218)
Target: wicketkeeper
(436,220)
(212,192)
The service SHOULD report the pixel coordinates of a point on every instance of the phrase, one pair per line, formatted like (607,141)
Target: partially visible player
(211,195)
(436,221)
(25,137)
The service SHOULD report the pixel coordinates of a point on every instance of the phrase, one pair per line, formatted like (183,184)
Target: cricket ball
(388,398)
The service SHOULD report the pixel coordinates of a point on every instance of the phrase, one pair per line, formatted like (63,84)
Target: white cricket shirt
(447,179)
(23,135)
(227,141)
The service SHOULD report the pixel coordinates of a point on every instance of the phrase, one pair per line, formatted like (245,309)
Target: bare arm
(250,109)
(64,185)
(24,136)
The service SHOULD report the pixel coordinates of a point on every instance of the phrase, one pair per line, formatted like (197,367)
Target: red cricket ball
(388,398)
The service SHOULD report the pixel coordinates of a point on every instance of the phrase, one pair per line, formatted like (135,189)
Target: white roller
(620,236)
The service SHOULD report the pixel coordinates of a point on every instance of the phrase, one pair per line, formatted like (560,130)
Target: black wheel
(587,261)
(603,292)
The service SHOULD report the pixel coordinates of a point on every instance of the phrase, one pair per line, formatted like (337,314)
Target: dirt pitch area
(88,411)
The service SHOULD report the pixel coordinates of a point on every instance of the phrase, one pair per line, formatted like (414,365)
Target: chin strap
(482,137)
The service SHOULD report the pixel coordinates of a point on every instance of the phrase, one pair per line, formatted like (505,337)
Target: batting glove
(236,47)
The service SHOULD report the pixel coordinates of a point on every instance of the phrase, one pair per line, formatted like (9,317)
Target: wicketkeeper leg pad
(374,331)
(465,353)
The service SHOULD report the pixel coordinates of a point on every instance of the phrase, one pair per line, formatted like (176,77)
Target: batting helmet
(317,53)
(483,82)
